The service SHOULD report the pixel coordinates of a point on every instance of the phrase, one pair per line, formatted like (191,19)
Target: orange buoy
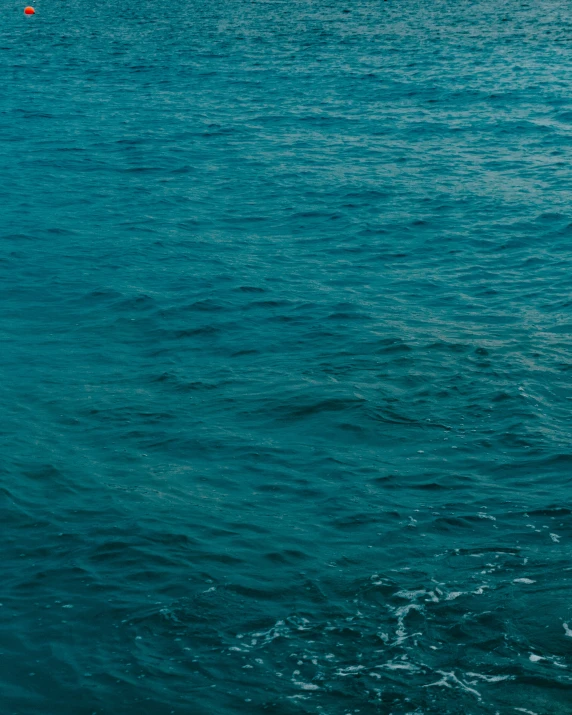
(29,11)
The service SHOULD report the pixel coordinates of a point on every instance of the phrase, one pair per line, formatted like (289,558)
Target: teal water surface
(286,380)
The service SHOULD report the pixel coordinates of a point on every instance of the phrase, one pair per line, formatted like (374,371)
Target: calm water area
(286,357)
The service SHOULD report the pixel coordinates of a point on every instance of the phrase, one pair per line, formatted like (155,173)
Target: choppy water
(286,365)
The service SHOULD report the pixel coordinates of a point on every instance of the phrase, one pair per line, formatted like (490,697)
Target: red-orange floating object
(29,11)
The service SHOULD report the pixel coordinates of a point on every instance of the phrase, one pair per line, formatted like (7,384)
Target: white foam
(401,613)
(523,580)
(306,686)
(411,595)
(480,590)
(399,666)
(449,680)
(490,678)
(350,670)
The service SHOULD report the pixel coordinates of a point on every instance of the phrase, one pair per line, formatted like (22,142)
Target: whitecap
(449,679)
(490,678)
(306,686)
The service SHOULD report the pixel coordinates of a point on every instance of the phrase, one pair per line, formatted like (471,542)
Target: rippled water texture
(286,358)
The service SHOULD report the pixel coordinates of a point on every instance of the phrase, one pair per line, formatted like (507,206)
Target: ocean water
(286,373)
